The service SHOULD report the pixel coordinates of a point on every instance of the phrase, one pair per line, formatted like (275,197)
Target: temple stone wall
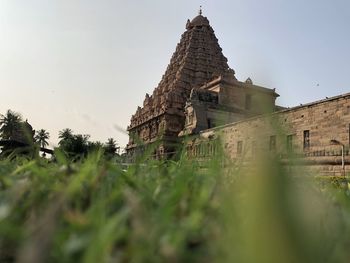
(314,132)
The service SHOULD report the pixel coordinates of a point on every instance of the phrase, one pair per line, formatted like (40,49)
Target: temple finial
(200,10)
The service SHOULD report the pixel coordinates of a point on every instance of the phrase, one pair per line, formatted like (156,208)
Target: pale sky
(87,64)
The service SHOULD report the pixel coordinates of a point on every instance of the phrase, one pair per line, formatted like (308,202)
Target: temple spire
(200,10)
(197,59)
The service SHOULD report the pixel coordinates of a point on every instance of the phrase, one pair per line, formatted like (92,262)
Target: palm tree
(10,123)
(94,146)
(41,137)
(74,145)
(65,135)
(78,145)
(111,146)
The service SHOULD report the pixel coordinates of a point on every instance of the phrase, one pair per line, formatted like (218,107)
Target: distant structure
(21,140)
(198,74)
(22,137)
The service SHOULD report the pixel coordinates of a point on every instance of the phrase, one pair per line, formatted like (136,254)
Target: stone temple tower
(198,59)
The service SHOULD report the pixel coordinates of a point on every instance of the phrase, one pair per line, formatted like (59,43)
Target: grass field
(94,211)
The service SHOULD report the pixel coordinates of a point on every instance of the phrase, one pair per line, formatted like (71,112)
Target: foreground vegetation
(96,211)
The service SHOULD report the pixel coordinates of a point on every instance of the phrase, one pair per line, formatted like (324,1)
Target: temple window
(239,147)
(306,139)
(272,143)
(154,130)
(209,123)
(290,143)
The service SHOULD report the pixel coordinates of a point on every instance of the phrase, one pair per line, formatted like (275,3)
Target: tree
(10,123)
(41,137)
(95,146)
(79,145)
(111,148)
(74,145)
(65,135)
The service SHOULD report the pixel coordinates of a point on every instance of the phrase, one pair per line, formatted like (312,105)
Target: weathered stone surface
(225,100)
(197,59)
(325,120)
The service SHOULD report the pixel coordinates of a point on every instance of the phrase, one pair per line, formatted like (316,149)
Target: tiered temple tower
(198,58)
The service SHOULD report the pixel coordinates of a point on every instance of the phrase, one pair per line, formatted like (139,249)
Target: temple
(198,91)
(200,99)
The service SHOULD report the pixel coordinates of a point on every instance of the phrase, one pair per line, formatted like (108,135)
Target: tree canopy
(10,123)
(41,138)
(79,145)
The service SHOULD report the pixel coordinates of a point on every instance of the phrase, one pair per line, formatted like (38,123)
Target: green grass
(94,211)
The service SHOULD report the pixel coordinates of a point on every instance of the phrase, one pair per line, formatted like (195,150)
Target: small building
(21,138)
(226,100)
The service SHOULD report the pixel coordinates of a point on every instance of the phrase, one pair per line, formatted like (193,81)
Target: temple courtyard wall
(317,135)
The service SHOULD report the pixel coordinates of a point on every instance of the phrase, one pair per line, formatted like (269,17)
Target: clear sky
(87,64)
